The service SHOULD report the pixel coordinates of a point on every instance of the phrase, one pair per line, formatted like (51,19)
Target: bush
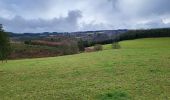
(98,47)
(27,42)
(116,45)
(69,47)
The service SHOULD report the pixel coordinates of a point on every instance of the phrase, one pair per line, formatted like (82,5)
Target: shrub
(98,47)
(115,95)
(116,45)
(69,47)
(27,42)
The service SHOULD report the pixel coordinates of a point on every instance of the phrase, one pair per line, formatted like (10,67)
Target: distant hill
(66,33)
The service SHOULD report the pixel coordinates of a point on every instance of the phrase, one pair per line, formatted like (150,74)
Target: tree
(81,45)
(4,44)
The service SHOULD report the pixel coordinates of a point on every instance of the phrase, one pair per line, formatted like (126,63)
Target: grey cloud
(24,8)
(156,24)
(19,24)
(142,7)
(53,15)
(92,26)
(129,13)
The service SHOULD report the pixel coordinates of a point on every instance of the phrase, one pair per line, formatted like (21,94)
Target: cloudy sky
(78,15)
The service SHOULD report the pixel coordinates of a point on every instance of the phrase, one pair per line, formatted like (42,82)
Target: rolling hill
(140,70)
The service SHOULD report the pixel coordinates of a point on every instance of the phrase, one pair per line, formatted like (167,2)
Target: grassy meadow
(140,70)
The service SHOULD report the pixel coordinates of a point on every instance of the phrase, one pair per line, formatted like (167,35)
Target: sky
(22,16)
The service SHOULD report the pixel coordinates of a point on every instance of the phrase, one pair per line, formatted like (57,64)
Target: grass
(140,70)
(146,43)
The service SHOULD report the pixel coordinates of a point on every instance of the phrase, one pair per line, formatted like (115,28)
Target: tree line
(147,33)
(129,35)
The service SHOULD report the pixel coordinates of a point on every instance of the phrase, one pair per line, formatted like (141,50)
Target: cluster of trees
(42,43)
(131,34)
(65,46)
(148,33)
(69,47)
(4,45)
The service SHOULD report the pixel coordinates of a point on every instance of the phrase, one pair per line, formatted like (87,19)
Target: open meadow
(139,70)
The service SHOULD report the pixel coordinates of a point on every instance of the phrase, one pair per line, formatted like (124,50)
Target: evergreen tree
(4,44)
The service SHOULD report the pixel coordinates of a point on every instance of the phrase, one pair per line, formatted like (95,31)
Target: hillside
(140,70)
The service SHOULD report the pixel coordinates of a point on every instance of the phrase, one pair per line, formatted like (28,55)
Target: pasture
(140,70)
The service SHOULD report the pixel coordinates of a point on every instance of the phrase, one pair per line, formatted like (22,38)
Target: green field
(140,70)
